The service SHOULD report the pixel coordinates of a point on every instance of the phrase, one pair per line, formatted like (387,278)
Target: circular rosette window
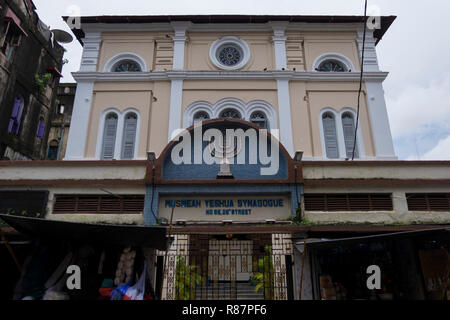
(230,53)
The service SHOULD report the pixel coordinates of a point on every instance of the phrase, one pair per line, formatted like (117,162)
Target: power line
(360,79)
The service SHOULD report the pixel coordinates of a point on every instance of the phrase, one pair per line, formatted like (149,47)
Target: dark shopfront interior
(111,259)
(44,277)
(413,268)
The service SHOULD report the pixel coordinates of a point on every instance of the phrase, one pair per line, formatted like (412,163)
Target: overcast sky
(415,50)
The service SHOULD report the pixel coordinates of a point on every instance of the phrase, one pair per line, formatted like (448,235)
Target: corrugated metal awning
(54,70)
(126,235)
(11,16)
(330,243)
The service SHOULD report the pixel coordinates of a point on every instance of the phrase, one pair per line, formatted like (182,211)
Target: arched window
(129,136)
(16,116)
(201,116)
(230,113)
(331,66)
(109,137)
(229,55)
(260,119)
(127,66)
(348,126)
(330,136)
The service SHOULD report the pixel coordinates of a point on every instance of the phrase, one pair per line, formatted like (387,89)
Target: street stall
(409,268)
(435,263)
(79,261)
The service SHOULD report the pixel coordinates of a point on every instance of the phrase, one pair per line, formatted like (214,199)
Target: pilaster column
(284,100)
(91,51)
(176,99)
(176,93)
(284,107)
(76,142)
(279,42)
(379,121)
(370,53)
(179,44)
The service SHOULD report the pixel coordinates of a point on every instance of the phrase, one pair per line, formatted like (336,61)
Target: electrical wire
(153,194)
(360,80)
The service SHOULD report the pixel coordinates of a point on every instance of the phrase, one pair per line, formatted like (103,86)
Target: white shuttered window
(329,131)
(109,137)
(129,136)
(348,126)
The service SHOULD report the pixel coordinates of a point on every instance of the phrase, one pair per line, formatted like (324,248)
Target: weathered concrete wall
(34,55)
(96,171)
(400,178)
(404,170)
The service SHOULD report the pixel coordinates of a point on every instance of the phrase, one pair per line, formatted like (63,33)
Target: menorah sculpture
(224,151)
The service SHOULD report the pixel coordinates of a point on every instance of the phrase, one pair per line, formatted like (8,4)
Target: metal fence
(228,267)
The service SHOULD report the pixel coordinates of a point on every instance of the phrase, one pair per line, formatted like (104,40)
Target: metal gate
(226,267)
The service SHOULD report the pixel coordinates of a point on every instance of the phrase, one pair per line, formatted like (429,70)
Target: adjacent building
(60,121)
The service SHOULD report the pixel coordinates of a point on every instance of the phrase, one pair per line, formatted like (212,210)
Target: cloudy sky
(415,51)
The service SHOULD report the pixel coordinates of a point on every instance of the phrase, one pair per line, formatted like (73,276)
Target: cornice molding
(217,27)
(227,75)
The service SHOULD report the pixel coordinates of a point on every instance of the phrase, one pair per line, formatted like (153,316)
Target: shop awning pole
(11,252)
(303,269)
(167,251)
(447,274)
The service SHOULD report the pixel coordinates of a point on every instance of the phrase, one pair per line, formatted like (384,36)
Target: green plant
(264,279)
(305,223)
(42,81)
(186,281)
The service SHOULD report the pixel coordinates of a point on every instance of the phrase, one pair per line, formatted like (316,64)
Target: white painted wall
(379,121)
(83,98)
(76,142)
(284,106)
(279,41)
(175,114)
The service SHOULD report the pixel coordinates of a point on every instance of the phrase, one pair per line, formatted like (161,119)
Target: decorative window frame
(189,113)
(109,66)
(18,118)
(234,41)
(322,133)
(230,103)
(246,110)
(346,62)
(340,134)
(200,111)
(119,134)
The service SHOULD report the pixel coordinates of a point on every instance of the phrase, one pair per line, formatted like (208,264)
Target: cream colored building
(143,79)
(276,76)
